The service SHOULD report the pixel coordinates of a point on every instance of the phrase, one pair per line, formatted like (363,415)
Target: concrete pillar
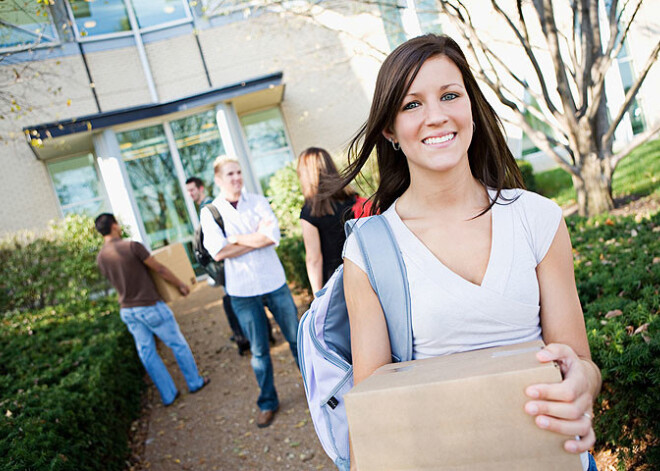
(117,185)
(235,145)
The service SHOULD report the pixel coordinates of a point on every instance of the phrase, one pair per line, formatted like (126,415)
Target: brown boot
(265,418)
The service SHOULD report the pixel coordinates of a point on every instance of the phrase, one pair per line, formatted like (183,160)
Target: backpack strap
(216,215)
(387,275)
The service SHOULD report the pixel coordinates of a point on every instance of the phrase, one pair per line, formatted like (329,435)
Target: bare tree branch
(637,141)
(608,137)
(526,44)
(603,64)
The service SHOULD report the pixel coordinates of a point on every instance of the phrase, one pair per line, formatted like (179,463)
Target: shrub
(55,267)
(70,383)
(617,270)
(286,199)
(528,174)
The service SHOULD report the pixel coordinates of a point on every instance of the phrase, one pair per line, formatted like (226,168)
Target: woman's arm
(564,407)
(313,255)
(370,342)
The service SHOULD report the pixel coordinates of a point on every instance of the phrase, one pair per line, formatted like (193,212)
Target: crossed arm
(241,244)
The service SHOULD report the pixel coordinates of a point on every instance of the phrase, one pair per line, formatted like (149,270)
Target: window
(155,185)
(25,23)
(268,143)
(77,185)
(102,17)
(628,79)
(391,16)
(428,16)
(156,12)
(99,17)
(199,143)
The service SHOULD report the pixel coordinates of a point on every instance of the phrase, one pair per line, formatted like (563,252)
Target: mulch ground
(214,429)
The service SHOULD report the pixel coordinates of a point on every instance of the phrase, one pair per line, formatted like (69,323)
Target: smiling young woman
(488,263)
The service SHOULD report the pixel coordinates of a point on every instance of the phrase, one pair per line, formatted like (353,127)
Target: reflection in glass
(77,185)
(199,143)
(25,22)
(266,138)
(155,185)
(390,13)
(428,16)
(155,12)
(95,17)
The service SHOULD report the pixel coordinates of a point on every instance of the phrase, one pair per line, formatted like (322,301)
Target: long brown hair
(315,166)
(491,161)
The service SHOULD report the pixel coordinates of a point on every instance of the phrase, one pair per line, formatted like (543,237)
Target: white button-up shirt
(258,271)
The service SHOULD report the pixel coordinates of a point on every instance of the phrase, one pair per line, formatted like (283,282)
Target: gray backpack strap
(387,275)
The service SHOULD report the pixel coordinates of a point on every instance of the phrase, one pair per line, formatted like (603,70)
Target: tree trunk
(593,186)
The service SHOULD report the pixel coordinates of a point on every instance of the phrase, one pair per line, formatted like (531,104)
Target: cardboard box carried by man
(456,412)
(174,257)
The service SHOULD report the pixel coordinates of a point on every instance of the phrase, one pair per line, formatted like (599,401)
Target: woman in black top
(322,219)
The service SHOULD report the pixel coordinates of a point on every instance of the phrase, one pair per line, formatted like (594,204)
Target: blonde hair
(316,165)
(221,161)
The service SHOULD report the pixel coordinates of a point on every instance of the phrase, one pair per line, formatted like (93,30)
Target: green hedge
(50,268)
(70,383)
(617,269)
(527,172)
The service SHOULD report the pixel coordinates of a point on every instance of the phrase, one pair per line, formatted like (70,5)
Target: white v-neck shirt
(451,314)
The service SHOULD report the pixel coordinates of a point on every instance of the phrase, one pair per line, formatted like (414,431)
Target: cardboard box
(174,257)
(456,412)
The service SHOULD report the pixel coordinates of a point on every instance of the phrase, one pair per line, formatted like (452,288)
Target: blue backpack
(324,342)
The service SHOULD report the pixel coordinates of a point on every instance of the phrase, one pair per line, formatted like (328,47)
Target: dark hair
(491,161)
(104,222)
(197,181)
(314,166)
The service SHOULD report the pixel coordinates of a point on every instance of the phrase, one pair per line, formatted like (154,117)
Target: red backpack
(361,208)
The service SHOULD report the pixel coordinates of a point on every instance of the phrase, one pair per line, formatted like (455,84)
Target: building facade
(111,105)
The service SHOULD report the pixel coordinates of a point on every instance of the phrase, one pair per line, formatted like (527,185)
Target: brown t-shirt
(122,262)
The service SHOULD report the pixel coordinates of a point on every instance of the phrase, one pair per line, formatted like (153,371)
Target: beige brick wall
(177,67)
(325,101)
(59,91)
(119,78)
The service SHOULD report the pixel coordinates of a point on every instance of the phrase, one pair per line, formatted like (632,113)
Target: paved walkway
(214,429)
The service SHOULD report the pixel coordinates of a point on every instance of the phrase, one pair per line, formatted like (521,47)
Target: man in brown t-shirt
(126,264)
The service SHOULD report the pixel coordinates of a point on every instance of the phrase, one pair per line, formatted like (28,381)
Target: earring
(395,145)
(474,126)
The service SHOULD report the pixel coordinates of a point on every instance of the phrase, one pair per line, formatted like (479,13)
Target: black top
(331,231)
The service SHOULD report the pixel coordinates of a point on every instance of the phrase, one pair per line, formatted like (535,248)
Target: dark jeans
(252,317)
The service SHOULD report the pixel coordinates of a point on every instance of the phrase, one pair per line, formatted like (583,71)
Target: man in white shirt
(254,273)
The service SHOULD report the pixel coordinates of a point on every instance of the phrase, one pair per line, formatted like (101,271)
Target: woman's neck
(455,193)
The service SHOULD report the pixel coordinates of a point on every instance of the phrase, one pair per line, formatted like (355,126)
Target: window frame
(130,32)
(102,197)
(250,156)
(55,42)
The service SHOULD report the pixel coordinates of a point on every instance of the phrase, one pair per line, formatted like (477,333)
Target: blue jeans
(252,317)
(592,463)
(145,321)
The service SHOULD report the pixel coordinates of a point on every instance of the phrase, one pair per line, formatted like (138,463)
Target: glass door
(156,187)
(268,143)
(198,142)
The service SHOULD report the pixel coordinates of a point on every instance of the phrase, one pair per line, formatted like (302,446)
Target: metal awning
(75,135)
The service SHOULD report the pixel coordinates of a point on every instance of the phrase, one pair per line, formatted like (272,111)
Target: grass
(637,174)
